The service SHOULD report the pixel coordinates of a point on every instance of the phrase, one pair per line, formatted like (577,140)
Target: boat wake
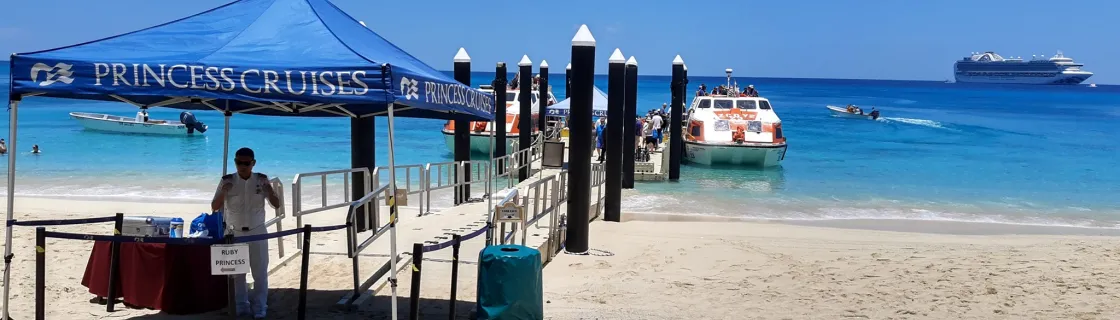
(917,122)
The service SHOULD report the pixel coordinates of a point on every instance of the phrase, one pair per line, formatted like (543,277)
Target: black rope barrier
(185,241)
(449,243)
(60,222)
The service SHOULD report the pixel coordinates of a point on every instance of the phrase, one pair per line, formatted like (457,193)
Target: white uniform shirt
(245,201)
(656,122)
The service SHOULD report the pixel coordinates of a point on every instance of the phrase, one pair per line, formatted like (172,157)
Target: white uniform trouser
(257,300)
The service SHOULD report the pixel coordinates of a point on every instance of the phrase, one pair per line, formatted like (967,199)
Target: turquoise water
(1016,154)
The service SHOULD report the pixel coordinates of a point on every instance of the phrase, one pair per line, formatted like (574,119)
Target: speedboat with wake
(480,131)
(733,129)
(141,124)
(852,112)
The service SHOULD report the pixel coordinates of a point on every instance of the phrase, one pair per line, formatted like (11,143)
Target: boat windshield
(745,104)
(764,105)
(704,104)
(724,103)
(511,96)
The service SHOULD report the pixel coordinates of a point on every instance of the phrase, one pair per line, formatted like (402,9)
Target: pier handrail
(539,207)
(409,187)
(353,249)
(503,167)
(440,176)
(297,193)
(278,188)
(479,173)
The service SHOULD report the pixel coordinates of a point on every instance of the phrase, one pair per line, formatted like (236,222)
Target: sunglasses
(243,163)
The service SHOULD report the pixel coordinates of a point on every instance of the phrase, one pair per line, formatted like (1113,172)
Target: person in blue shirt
(600,141)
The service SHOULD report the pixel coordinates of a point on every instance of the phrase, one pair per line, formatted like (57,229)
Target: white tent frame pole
(393,213)
(490,182)
(12,117)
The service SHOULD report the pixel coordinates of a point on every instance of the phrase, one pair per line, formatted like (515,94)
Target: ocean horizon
(1040,155)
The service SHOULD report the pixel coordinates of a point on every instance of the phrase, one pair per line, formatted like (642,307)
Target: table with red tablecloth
(174,278)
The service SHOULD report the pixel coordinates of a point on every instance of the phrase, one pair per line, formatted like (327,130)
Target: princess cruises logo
(410,88)
(59,73)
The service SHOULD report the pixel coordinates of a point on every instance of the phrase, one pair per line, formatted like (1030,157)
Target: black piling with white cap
(525,119)
(676,147)
(616,123)
(462,136)
(630,131)
(579,167)
(499,128)
(568,81)
(542,110)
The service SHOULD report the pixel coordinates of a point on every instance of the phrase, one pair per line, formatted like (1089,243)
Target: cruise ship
(989,67)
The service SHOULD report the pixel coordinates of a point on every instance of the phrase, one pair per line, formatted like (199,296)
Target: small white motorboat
(187,126)
(843,113)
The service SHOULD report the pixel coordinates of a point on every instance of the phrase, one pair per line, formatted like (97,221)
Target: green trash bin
(509,283)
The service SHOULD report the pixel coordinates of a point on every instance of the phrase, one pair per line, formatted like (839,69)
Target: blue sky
(867,39)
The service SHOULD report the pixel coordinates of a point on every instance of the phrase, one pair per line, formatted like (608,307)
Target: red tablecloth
(172,278)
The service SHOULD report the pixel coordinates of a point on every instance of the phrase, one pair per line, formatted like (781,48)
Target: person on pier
(243,195)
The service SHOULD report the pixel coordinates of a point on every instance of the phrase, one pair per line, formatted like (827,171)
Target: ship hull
(735,155)
(480,142)
(1051,78)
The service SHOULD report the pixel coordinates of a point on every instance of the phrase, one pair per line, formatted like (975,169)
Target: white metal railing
(479,172)
(598,178)
(541,200)
(298,209)
(411,187)
(278,188)
(354,249)
(438,176)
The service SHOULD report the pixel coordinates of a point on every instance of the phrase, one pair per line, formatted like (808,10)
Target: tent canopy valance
(598,105)
(269,57)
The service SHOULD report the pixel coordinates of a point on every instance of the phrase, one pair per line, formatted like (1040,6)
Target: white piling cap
(617,57)
(569,67)
(678,60)
(583,38)
(525,62)
(363,23)
(728,70)
(632,61)
(462,56)
(684,67)
(544,64)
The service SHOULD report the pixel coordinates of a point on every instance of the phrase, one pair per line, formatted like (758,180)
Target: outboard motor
(874,114)
(187,118)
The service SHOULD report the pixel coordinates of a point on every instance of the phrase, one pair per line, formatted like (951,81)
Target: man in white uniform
(242,195)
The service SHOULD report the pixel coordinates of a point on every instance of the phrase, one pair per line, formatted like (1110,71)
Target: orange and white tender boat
(733,130)
(480,131)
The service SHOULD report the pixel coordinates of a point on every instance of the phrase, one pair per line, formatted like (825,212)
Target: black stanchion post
(525,119)
(500,115)
(545,100)
(631,131)
(414,297)
(455,240)
(675,146)
(568,81)
(617,120)
(579,167)
(301,313)
(40,273)
(114,263)
(231,297)
(462,131)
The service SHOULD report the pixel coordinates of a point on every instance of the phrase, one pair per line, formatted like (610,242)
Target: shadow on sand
(283,304)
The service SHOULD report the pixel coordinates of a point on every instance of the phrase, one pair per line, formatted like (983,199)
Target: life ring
(479,126)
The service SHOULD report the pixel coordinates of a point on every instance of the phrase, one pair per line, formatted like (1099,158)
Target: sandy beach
(685,267)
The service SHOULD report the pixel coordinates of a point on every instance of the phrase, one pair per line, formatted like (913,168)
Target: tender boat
(480,131)
(187,126)
(733,129)
(843,113)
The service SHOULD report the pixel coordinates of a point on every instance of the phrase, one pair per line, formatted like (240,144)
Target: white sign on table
(227,259)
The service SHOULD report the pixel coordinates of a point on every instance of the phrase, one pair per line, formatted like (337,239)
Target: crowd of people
(721,90)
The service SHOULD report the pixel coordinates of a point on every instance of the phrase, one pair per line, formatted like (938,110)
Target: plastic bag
(208,225)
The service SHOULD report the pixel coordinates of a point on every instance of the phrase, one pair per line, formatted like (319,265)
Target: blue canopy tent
(303,58)
(598,106)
